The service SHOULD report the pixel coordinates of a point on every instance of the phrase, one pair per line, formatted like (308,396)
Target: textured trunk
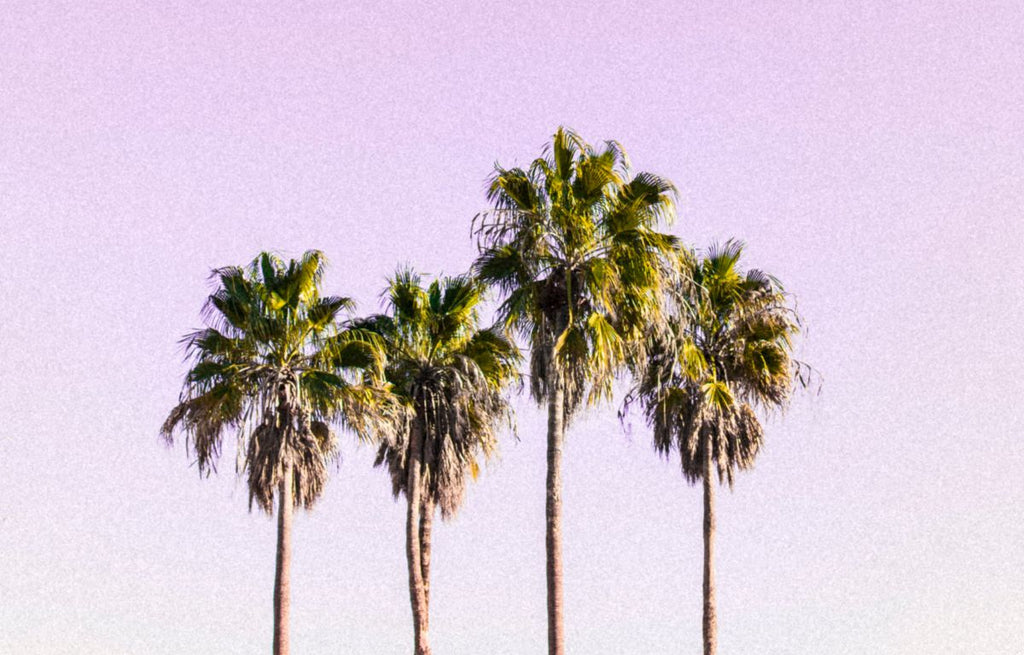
(282,582)
(556,433)
(417,593)
(710,629)
(426,525)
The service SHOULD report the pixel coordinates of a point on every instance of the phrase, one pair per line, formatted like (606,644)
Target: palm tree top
(274,365)
(571,243)
(449,373)
(728,351)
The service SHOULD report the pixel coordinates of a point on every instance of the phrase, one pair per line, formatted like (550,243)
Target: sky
(870,155)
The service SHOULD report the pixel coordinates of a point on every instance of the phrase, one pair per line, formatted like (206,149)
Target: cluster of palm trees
(586,283)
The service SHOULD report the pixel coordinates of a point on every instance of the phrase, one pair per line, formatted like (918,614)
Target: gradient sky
(872,157)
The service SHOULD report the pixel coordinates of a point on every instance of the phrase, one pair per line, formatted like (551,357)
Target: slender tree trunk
(710,628)
(417,594)
(282,581)
(426,526)
(556,433)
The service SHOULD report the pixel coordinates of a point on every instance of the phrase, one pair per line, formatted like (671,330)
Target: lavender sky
(872,158)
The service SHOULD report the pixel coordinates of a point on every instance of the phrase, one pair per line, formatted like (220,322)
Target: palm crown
(449,374)
(269,365)
(727,352)
(571,245)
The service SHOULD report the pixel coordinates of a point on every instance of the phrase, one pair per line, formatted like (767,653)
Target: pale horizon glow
(871,157)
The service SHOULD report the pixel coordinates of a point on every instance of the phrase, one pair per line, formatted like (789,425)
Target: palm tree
(272,364)
(451,377)
(727,351)
(571,245)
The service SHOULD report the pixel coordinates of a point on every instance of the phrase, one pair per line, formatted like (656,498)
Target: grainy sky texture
(871,156)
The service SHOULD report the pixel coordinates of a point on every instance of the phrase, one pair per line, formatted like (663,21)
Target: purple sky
(871,157)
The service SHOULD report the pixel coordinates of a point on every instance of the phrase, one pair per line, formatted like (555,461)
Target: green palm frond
(718,395)
(325,311)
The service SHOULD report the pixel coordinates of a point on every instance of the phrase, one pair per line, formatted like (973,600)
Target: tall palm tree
(273,365)
(727,352)
(451,376)
(571,244)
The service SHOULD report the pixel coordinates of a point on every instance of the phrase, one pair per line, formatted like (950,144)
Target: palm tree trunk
(556,433)
(282,581)
(426,526)
(710,629)
(417,593)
